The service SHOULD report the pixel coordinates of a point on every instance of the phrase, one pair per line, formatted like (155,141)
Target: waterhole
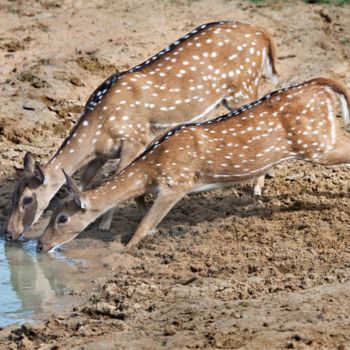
(33,283)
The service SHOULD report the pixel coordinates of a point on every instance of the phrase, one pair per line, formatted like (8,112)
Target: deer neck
(76,151)
(132,182)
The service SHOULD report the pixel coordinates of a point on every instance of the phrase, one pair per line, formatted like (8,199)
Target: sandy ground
(224,270)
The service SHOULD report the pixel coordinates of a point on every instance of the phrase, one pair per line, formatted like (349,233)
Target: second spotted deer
(216,62)
(293,123)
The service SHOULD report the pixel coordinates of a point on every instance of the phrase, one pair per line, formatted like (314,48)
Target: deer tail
(341,92)
(270,59)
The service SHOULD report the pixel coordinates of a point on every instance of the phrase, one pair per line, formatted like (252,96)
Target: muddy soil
(224,269)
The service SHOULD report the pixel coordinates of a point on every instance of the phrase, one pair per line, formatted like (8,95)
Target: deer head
(68,219)
(28,199)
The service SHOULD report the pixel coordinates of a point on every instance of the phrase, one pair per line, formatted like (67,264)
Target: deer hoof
(257,191)
(105,226)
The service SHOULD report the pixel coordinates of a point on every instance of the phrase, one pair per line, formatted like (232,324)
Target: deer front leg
(141,204)
(129,151)
(161,207)
(91,169)
(89,173)
(107,218)
(260,182)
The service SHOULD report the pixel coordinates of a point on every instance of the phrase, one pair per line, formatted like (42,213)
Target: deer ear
(40,173)
(29,163)
(73,188)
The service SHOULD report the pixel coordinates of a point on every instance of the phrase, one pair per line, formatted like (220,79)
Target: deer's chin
(48,248)
(10,238)
(52,248)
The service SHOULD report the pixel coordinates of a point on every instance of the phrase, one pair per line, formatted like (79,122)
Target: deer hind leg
(129,151)
(239,97)
(227,105)
(340,154)
(161,206)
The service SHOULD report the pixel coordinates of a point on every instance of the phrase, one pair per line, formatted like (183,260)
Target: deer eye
(62,219)
(27,200)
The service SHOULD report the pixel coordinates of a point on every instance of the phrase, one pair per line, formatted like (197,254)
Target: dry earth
(224,270)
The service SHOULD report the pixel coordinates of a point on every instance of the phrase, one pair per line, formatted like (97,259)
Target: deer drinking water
(293,123)
(216,62)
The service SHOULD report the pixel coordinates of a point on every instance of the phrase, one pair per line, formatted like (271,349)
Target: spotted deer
(216,62)
(293,123)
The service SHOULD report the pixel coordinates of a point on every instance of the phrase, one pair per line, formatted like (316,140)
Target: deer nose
(11,236)
(13,232)
(8,235)
(39,246)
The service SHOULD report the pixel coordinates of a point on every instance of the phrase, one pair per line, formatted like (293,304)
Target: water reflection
(29,282)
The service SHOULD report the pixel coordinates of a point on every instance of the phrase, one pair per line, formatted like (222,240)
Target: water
(31,283)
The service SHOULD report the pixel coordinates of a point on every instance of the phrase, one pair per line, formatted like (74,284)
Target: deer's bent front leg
(161,206)
(91,169)
(128,152)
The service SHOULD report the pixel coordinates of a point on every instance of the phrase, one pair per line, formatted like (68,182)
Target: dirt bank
(224,270)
